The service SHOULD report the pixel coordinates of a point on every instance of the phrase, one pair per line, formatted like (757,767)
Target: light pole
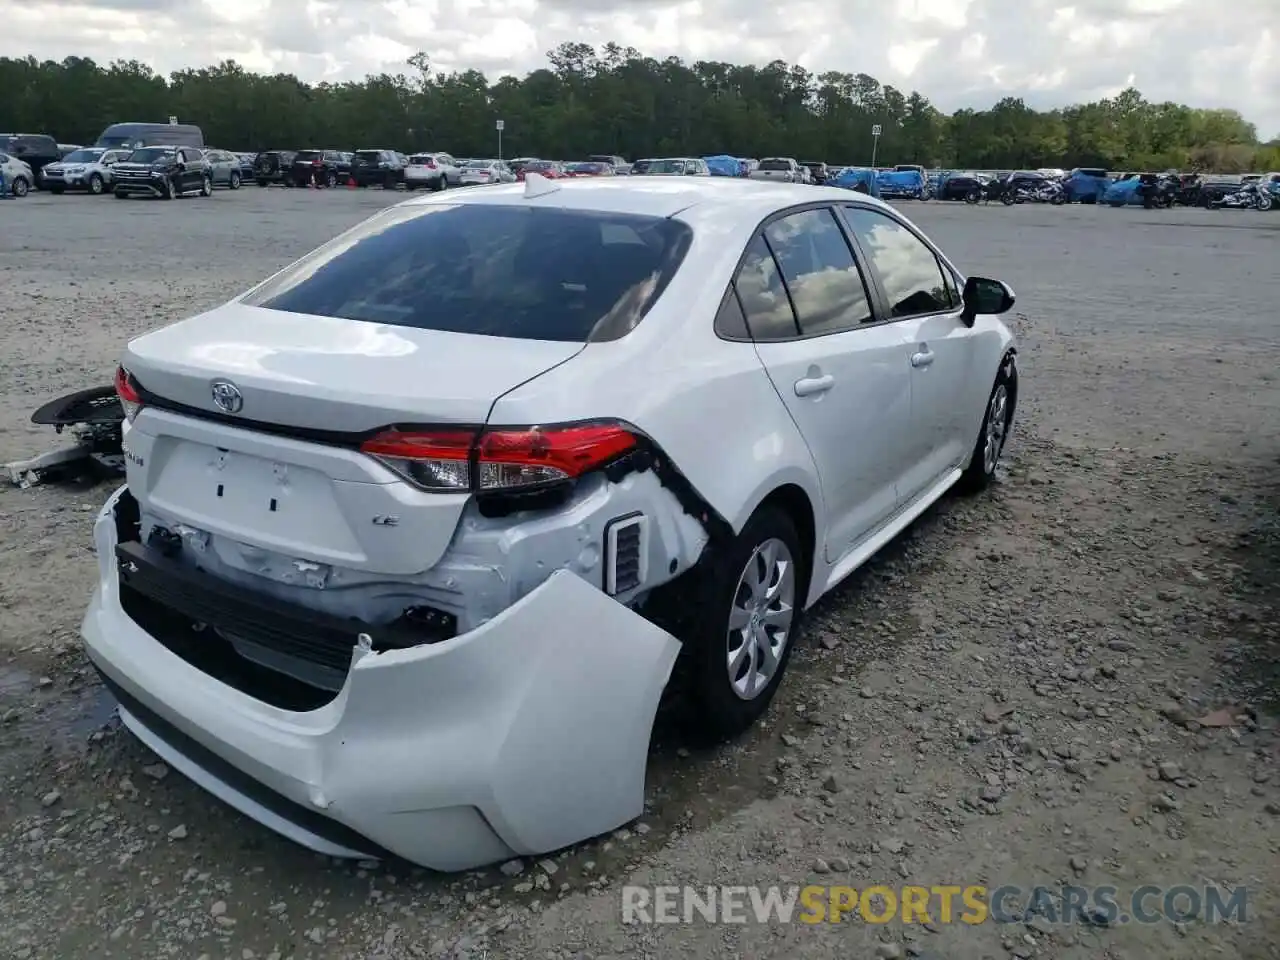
(498,125)
(875,143)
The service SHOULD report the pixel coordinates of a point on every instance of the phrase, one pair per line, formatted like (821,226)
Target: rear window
(774,165)
(494,270)
(308,155)
(421,159)
(372,156)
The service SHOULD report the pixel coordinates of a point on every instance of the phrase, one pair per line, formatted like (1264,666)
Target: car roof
(693,198)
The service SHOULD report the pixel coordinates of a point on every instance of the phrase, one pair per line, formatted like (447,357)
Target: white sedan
(415,530)
(476,172)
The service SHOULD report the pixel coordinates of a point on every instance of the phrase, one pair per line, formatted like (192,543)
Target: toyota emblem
(227,396)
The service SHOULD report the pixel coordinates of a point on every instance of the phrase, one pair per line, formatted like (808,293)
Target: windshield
(151,154)
(664,166)
(773,164)
(124,141)
(495,270)
(82,156)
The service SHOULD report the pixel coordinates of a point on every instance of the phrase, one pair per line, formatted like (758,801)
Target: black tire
(206,186)
(440,184)
(718,712)
(262,182)
(234,182)
(973,196)
(170,191)
(21,187)
(330,179)
(982,470)
(96,184)
(1008,199)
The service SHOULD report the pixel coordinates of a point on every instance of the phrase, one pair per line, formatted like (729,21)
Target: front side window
(818,268)
(764,295)
(908,270)
(494,270)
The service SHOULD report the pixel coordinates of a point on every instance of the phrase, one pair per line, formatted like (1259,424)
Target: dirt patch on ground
(1071,680)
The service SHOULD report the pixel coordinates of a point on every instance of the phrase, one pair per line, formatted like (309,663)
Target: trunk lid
(311,497)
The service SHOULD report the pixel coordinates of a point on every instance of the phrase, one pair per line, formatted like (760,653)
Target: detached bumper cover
(520,737)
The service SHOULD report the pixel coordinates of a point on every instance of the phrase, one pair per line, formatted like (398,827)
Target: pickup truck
(781,169)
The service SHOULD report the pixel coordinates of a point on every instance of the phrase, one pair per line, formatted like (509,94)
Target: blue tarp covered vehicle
(724,165)
(850,177)
(1086,185)
(1123,193)
(908,184)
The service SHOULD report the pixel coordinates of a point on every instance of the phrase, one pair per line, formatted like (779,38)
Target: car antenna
(536,185)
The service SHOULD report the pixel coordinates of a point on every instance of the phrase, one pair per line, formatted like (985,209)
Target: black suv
(272,166)
(324,168)
(164,172)
(33,149)
(385,167)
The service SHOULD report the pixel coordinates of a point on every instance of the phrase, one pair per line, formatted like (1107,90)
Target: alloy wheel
(760,618)
(997,423)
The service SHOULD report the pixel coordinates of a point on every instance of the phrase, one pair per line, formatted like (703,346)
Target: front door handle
(922,359)
(812,386)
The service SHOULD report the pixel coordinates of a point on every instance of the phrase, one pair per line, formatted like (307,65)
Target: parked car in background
(18,175)
(66,148)
(478,172)
(33,149)
(433,171)
(546,168)
(273,166)
(164,172)
(353,593)
(672,167)
(246,165)
(517,164)
(780,169)
(1086,184)
(130,136)
(324,168)
(818,172)
(616,163)
(961,185)
(224,168)
(384,168)
(88,169)
(589,168)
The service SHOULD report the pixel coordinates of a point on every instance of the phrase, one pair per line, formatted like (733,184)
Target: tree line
(616,100)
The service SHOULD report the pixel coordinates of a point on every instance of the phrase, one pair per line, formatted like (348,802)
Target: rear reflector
(499,459)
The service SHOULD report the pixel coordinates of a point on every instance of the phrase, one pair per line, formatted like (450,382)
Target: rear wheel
(330,179)
(1263,202)
(751,607)
(973,196)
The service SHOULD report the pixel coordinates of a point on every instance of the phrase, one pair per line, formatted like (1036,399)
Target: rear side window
(908,270)
(495,270)
(764,295)
(818,269)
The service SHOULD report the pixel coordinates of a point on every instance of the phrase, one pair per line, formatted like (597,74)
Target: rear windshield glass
(774,165)
(421,159)
(496,270)
(373,155)
(308,155)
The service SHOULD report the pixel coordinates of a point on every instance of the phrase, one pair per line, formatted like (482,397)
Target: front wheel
(973,196)
(1263,202)
(1008,199)
(234,183)
(169,191)
(20,187)
(121,195)
(997,422)
(263,181)
(206,186)
(751,609)
(96,184)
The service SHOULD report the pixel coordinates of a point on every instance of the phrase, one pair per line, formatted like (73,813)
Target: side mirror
(985,296)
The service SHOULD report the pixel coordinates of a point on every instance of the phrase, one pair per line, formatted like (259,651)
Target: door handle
(922,359)
(811,386)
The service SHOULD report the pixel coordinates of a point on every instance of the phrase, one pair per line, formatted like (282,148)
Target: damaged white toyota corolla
(415,529)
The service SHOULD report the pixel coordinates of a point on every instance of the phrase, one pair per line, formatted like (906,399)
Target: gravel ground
(1071,679)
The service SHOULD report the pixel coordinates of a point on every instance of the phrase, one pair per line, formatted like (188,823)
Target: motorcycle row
(1151,191)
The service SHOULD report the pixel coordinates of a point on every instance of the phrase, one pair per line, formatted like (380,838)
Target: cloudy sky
(957,52)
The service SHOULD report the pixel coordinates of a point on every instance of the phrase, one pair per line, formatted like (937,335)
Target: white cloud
(959,53)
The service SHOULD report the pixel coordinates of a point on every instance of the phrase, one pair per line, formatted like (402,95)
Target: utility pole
(875,143)
(499,125)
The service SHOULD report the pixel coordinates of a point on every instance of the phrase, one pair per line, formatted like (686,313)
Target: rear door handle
(922,359)
(811,386)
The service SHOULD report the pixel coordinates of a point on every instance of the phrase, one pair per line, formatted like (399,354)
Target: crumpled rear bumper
(522,736)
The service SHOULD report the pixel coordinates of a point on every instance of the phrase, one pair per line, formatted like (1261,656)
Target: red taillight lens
(127,391)
(317,163)
(460,460)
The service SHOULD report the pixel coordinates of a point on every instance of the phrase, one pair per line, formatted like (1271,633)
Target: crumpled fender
(542,718)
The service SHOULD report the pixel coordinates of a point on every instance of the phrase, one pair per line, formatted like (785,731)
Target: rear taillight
(127,391)
(499,459)
(317,163)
